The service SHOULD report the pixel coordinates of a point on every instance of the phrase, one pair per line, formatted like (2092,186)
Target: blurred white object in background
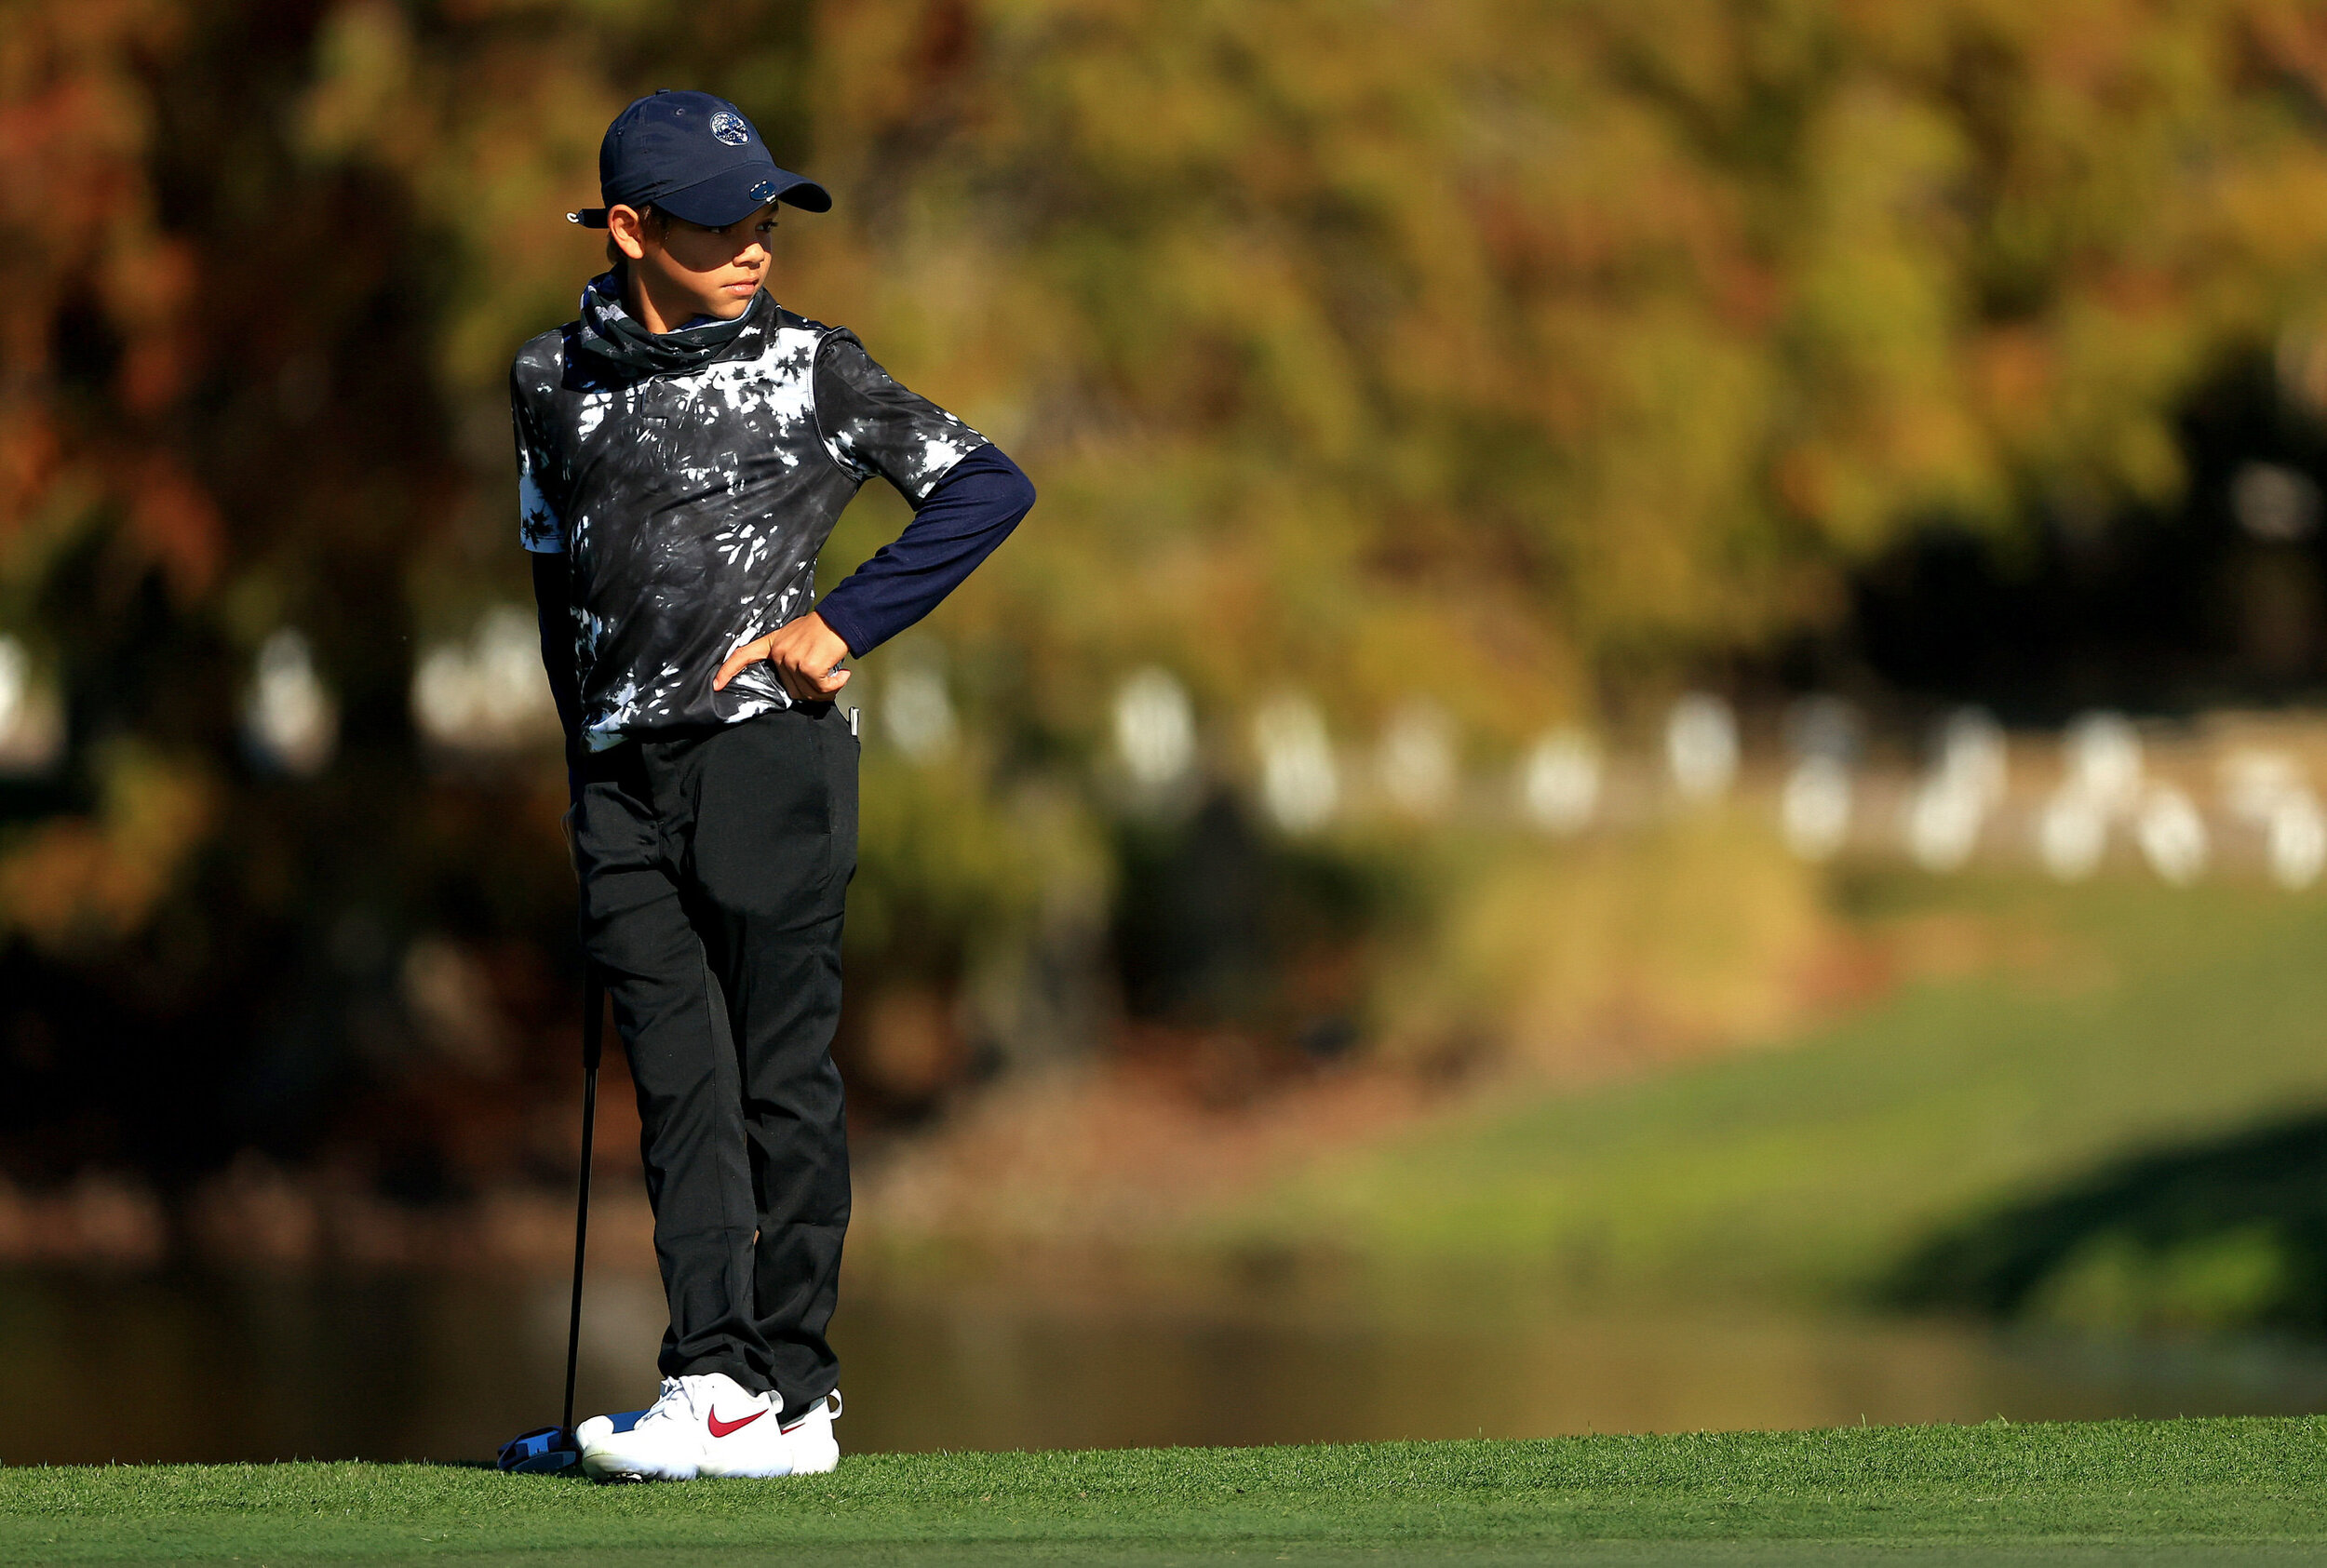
(1300,784)
(916,713)
(1814,811)
(2103,753)
(1559,783)
(1155,729)
(2275,503)
(2295,842)
(1701,746)
(2171,835)
(32,720)
(440,693)
(2072,831)
(1943,821)
(2267,790)
(2254,781)
(289,719)
(443,694)
(2100,784)
(1950,806)
(16,682)
(510,691)
(1972,751)
(489,693)
(1822,732)
(1417,760)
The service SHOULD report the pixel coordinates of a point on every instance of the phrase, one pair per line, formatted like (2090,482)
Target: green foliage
(1523,351)
(2113,1284)
(1525,339)
(1712,1497)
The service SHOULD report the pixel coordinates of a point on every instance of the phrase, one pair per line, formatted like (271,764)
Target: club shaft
(593,1026)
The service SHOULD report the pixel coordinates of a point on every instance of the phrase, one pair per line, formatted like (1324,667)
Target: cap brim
(732,197)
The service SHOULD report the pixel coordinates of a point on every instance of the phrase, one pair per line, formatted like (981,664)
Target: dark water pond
(219,1367)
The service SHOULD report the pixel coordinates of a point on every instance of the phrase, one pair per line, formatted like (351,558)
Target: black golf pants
(713,866)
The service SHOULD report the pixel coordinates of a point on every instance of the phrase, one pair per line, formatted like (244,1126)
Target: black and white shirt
(692,499)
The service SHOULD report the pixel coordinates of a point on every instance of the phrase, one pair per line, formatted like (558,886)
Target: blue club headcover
(546,1450)
(542,1451)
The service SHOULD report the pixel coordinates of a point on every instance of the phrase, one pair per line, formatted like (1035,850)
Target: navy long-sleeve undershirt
(972,510)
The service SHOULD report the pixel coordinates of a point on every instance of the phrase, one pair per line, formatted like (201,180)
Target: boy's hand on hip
(806,655)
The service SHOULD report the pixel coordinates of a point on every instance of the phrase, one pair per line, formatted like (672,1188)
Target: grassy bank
(2042,1033)
(2233,1491)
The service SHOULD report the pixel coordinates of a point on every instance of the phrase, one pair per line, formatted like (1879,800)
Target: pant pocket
(767,818)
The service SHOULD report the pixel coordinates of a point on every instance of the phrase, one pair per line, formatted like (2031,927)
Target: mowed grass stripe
(2223,1481)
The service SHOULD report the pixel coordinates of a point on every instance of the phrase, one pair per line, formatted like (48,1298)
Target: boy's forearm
(552,601)
(968,515)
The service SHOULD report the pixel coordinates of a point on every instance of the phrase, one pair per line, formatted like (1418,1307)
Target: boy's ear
(626,228)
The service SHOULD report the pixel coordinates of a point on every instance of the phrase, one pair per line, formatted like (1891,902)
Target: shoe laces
(676,1402)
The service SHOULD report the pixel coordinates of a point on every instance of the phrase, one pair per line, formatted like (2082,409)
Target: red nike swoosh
(721,1429)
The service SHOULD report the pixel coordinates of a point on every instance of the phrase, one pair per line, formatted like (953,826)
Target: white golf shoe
(809,1442)
(701,1426)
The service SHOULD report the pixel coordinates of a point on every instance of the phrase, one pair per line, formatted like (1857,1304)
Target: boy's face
(714,270)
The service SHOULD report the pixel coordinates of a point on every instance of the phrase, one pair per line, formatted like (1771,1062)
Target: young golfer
(684,449)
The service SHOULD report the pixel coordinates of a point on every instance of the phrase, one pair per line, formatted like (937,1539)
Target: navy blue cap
(694,157)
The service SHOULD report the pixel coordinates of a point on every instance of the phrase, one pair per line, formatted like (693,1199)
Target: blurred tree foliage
(1516,350)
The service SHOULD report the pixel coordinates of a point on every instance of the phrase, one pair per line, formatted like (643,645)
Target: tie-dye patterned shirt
(692,503)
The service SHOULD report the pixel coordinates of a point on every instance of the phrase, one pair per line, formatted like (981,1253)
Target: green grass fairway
(2133,1016)
(2244,1490)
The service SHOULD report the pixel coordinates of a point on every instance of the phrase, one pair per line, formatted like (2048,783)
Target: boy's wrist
(841,624)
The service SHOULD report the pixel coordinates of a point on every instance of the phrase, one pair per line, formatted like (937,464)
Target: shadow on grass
(2227,1234)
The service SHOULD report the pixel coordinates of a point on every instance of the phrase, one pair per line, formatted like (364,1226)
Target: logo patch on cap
(729,127)
(763,191)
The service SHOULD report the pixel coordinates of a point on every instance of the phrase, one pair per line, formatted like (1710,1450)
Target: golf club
(550,1449)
